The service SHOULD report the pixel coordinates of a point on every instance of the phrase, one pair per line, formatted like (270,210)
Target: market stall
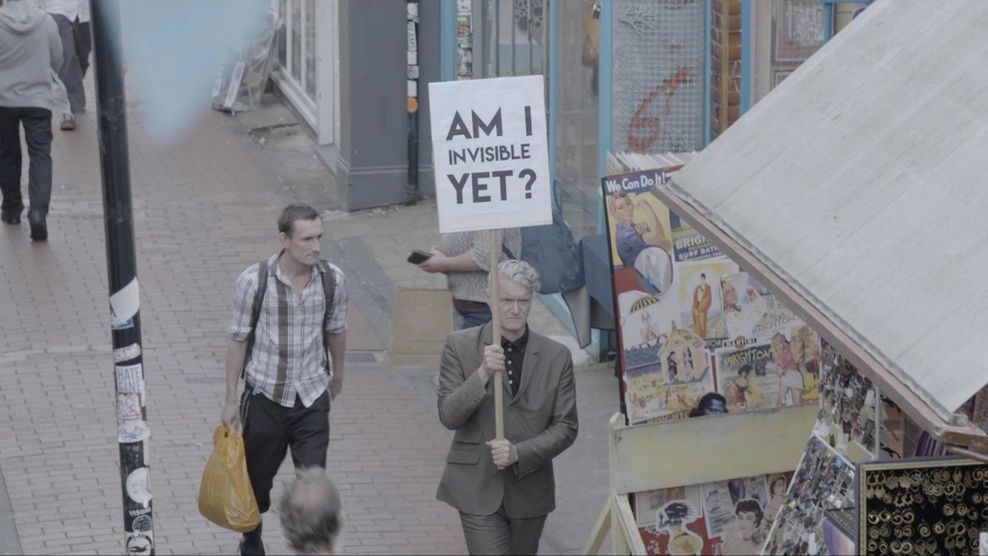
(853,193)
(718,380)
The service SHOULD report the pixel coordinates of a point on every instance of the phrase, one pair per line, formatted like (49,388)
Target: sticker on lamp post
(490,153)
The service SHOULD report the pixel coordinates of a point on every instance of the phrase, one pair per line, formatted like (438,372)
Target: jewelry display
(922,506)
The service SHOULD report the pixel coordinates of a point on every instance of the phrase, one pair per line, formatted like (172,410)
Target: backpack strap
(255,311)
(329,291)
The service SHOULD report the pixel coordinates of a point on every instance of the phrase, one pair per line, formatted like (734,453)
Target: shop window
(576,103)
(844,12)
(510,38)
(658,75)
(295,24)
(500,38)
(282,42)
(297,56)
(788,32)
(797,32)
(310,49)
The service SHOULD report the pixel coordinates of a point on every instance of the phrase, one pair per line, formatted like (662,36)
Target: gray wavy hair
(310,512)
(520,273)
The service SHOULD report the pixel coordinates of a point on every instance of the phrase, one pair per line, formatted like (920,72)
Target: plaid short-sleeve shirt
(288,358)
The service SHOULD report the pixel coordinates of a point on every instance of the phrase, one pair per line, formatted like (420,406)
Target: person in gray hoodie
(30,55)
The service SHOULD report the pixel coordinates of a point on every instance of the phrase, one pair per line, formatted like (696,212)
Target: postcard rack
(688,452)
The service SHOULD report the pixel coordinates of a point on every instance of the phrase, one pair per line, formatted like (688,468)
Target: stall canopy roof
(862,181)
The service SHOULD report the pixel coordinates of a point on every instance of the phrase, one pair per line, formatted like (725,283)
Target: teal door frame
(447,39)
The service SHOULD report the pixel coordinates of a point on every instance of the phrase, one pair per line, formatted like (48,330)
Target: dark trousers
(499,534)
(37,133)
(76,45)
(270,429)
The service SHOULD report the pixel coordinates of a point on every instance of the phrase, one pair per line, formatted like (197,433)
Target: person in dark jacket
(504,488)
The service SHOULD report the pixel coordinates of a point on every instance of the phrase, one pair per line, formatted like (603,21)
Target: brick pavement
(203,211)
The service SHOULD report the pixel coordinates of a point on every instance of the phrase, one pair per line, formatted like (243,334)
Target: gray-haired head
(520,273)
(310,512)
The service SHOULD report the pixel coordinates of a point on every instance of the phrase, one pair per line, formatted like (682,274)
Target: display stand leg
(600,529)
(625,537)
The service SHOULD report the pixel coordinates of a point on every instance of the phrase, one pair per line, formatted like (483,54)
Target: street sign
(490,153)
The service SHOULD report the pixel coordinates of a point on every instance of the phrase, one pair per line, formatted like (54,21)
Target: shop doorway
(308,63)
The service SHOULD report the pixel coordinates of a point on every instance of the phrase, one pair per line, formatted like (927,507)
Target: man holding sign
(504,489)
(492,173)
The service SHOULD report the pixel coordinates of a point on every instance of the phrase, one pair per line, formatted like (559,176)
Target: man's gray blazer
(540,421)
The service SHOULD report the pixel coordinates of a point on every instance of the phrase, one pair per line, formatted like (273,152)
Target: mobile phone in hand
(418,256)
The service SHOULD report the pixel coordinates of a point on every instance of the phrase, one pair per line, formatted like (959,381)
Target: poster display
(727,517)
(922,506)
(698,335)
(885,505)
(892,431)
(817,516)
(848,413)
(693,328)
(824,482)
(979,409)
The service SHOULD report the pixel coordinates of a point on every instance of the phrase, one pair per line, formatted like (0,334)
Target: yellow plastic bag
(225,495)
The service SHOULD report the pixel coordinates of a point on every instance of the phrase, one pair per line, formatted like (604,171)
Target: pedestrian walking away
(504,489)
(30,91)
(72,17)
(287,339)
(311,513)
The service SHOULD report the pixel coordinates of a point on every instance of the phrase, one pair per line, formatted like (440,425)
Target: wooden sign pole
(496,331)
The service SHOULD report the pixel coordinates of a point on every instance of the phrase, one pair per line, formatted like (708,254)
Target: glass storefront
(296,71)
(788,32)
(658,82)
(510,38)
(576,113)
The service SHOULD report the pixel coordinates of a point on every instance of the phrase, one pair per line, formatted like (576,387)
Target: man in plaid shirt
(290,381)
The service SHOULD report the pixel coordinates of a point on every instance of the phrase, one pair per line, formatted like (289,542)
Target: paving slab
(205,208)
(203,211)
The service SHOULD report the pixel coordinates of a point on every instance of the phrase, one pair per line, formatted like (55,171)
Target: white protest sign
(490,153)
